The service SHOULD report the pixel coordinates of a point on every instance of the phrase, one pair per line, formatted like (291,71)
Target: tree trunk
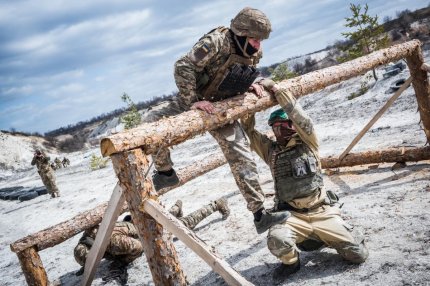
(383,156)
(161,255)
(32,267)
(174,130)
(58,233)
(421,86)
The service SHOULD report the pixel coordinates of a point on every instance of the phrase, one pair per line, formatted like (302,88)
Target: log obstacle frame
(129,152)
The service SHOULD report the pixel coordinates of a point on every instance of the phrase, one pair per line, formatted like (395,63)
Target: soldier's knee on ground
(280,240)
(355,251)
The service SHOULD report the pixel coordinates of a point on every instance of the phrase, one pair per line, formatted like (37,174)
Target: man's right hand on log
(204,105)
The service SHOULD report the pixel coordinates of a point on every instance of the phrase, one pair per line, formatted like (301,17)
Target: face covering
(283,131)
(245,48)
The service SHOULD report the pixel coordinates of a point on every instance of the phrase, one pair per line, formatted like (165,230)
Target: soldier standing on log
(124,244)
(220,65)
(294,161)
(46,173)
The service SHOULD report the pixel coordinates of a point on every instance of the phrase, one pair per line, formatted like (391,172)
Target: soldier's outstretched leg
(236,148)
(176,209)
(197,216)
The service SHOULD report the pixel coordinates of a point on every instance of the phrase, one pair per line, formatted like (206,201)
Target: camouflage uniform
(124,244)
(57,162)
(314,220)
(194,73)
(46,173)
(66,162)
(197,216)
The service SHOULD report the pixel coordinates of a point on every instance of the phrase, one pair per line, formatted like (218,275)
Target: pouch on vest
(333,198)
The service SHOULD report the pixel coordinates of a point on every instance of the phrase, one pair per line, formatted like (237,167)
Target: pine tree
(132,118)
(369,36)
(281,72)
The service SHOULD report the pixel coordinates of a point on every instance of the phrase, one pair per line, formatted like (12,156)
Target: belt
(282,206)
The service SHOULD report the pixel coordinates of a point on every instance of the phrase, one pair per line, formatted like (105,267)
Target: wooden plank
(376,117)
(192,241)
(32,267)
(174,130)
(103,235)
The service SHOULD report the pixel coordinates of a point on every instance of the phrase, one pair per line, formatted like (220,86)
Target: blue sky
(66,61)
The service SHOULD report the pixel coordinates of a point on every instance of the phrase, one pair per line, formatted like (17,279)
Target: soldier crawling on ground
(124,245)
(57,162)
(46,173)
(66,162)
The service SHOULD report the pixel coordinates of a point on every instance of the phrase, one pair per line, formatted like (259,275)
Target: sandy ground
(391,205)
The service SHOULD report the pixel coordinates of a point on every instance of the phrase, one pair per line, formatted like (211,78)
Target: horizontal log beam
(58,233)
(174,130)
(392,155)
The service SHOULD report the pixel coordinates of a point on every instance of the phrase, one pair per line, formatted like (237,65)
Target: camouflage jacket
(42,163)
(120,228)
(265,147)
(200,66)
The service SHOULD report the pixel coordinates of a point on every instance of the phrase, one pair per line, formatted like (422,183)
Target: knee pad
(280,240)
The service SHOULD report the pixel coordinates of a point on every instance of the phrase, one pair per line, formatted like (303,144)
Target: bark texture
(391,155)
(58,233)
(421,85)
(174,130)
(160,252)
(32,267)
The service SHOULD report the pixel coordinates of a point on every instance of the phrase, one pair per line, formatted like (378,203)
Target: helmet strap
(243,44)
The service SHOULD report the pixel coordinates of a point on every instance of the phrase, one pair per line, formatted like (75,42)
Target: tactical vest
(223,80)
(296,172)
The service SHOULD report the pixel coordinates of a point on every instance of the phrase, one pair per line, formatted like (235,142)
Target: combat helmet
(252,23)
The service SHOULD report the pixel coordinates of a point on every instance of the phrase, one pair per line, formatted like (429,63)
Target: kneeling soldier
(294,161)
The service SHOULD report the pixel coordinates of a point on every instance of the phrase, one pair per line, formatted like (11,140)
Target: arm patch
(199,53)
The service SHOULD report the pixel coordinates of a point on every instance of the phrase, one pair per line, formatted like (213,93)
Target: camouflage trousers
(48,179)
(195,217)
(235,146)
(121,248)
(320,227)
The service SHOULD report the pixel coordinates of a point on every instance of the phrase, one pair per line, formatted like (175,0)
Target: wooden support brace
(376,117)
(130,167)
(103,235)
(421,86)
(32,267)
(192,241)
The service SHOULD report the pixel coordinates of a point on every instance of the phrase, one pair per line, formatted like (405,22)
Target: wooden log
(32,267)
(197,169)
(402,154)
(421,85)
(376,117)
(58,233)
(188,237)
(174,130)
(160,252)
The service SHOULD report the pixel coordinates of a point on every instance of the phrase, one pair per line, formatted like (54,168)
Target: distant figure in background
(53,166)
(66,162)
(57,162)
(46,173)
(124,245)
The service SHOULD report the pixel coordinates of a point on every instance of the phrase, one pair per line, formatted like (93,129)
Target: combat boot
(163,180)
(222,207)
(270,219)
(284,270)
(176,209)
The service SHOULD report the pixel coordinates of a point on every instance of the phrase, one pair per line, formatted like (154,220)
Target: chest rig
(228,75)
(296,172)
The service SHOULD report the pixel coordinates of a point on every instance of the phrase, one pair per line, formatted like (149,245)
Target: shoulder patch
(199,53)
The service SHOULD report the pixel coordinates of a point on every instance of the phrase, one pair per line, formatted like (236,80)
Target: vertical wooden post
(421,85)
(32,267)
(160,252)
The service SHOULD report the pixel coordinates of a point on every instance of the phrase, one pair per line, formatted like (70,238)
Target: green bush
(132,118)
(97,162)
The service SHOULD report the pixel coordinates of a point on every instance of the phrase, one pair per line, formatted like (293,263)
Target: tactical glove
(268,84)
